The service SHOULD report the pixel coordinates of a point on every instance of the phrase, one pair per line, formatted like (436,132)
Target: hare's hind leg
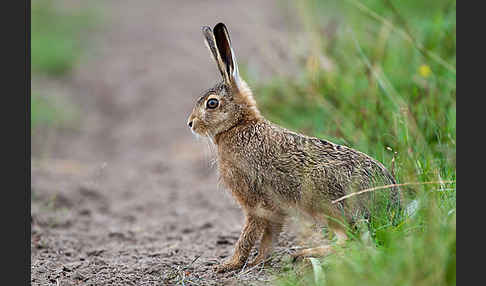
(336,227)
(270,235)
(321,251)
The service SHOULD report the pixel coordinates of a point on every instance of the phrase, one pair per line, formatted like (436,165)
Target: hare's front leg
(251,232)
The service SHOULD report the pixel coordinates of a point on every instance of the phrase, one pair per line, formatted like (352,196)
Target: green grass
(55,37)
(392,84)
(56,47)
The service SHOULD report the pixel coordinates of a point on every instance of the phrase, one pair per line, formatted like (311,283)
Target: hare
(272,171)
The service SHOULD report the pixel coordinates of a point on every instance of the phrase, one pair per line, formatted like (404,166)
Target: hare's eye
(212,103)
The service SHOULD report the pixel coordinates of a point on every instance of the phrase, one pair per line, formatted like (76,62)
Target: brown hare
(270,170)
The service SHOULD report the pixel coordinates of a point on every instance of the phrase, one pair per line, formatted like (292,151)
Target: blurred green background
(57,34)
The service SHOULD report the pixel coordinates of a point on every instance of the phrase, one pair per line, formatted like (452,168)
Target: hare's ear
(227,55)
(210,42)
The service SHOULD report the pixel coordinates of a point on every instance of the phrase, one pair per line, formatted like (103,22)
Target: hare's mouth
(198,128)
(196,132)
(192,126)
(199,134)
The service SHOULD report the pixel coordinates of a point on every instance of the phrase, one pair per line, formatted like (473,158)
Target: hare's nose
(190,124)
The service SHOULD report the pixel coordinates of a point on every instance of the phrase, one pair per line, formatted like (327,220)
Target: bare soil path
(127,196)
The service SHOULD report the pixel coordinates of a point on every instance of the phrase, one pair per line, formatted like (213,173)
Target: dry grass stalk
(390,186)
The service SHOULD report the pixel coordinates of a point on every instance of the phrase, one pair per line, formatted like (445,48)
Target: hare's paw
(312,252)
(228,266)
(259,261)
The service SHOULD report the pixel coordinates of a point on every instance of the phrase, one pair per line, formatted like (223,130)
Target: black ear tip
(220,25)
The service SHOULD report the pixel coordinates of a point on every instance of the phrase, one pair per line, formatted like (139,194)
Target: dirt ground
(126,195)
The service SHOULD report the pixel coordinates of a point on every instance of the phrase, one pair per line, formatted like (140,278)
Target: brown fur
(271,170)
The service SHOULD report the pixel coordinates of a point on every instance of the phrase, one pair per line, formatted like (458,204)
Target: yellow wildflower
(424,71)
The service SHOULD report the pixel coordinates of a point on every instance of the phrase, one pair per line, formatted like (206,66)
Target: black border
(15,139)
(28,218)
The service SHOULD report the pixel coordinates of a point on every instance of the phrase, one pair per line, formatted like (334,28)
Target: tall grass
(380,76)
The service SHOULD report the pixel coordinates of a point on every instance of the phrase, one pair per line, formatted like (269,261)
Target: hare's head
(230,101)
